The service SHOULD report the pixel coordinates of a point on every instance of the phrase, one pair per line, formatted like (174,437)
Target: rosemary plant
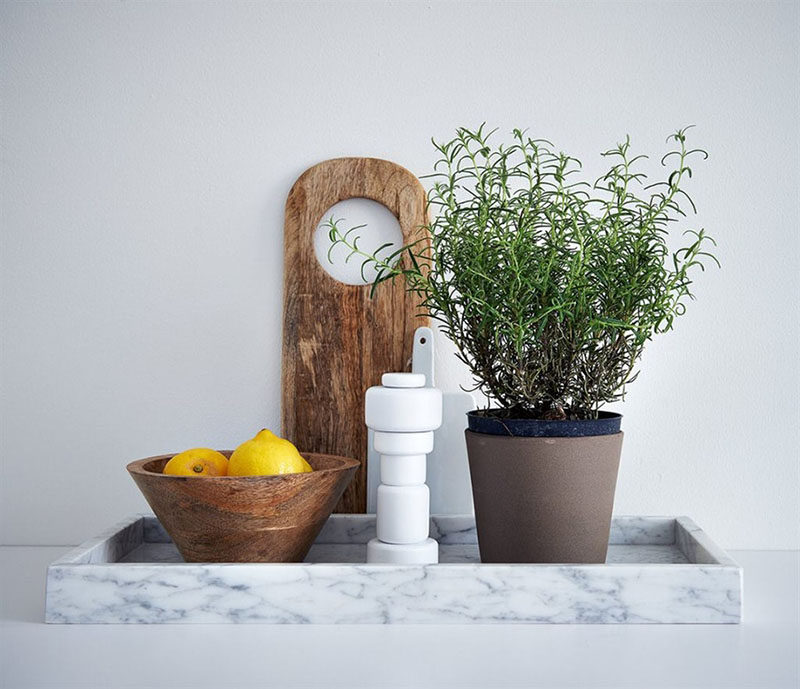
(549,286)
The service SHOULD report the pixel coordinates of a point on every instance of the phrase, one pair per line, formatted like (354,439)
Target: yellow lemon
(265,455)
(200,461)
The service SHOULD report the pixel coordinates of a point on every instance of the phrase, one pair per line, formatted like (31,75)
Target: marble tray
(659,570)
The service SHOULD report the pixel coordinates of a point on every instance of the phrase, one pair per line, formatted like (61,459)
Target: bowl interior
(318,462)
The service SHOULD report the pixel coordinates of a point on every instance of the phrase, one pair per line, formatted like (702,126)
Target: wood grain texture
(337,341)
(244,518)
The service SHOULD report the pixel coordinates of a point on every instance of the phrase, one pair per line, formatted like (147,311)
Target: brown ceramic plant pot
(543,490)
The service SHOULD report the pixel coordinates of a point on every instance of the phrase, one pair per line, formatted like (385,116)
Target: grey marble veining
(112,544)
(659,570)
(695,544)
(460,529)
(642,531)
(355,553)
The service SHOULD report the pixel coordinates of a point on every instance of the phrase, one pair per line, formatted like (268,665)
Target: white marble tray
(659,570)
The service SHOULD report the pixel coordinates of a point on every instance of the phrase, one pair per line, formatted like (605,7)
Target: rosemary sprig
(548,285)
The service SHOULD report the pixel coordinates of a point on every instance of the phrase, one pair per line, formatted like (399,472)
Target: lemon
(199,461)
(265,455)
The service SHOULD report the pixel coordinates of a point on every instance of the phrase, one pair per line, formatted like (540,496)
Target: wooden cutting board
(337,341)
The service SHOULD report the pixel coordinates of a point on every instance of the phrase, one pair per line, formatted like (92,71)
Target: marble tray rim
(685,528)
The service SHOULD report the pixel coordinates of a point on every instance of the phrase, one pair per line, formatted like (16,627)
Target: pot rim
(607,423)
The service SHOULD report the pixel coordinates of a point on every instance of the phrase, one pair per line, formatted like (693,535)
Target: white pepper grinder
(403,414)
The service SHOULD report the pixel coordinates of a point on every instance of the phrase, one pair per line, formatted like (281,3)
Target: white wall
(147,150)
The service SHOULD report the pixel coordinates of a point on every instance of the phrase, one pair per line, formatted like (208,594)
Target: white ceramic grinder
(403,414)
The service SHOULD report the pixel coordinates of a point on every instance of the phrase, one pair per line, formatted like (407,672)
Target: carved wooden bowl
(244,518)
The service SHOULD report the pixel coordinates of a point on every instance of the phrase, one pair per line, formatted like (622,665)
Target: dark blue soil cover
(607,423)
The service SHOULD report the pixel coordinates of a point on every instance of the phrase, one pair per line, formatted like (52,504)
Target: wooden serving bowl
(244,518)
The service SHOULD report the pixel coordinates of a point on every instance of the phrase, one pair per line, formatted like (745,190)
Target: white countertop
(761,652)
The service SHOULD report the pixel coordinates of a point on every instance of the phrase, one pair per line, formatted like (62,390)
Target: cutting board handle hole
(380,227)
